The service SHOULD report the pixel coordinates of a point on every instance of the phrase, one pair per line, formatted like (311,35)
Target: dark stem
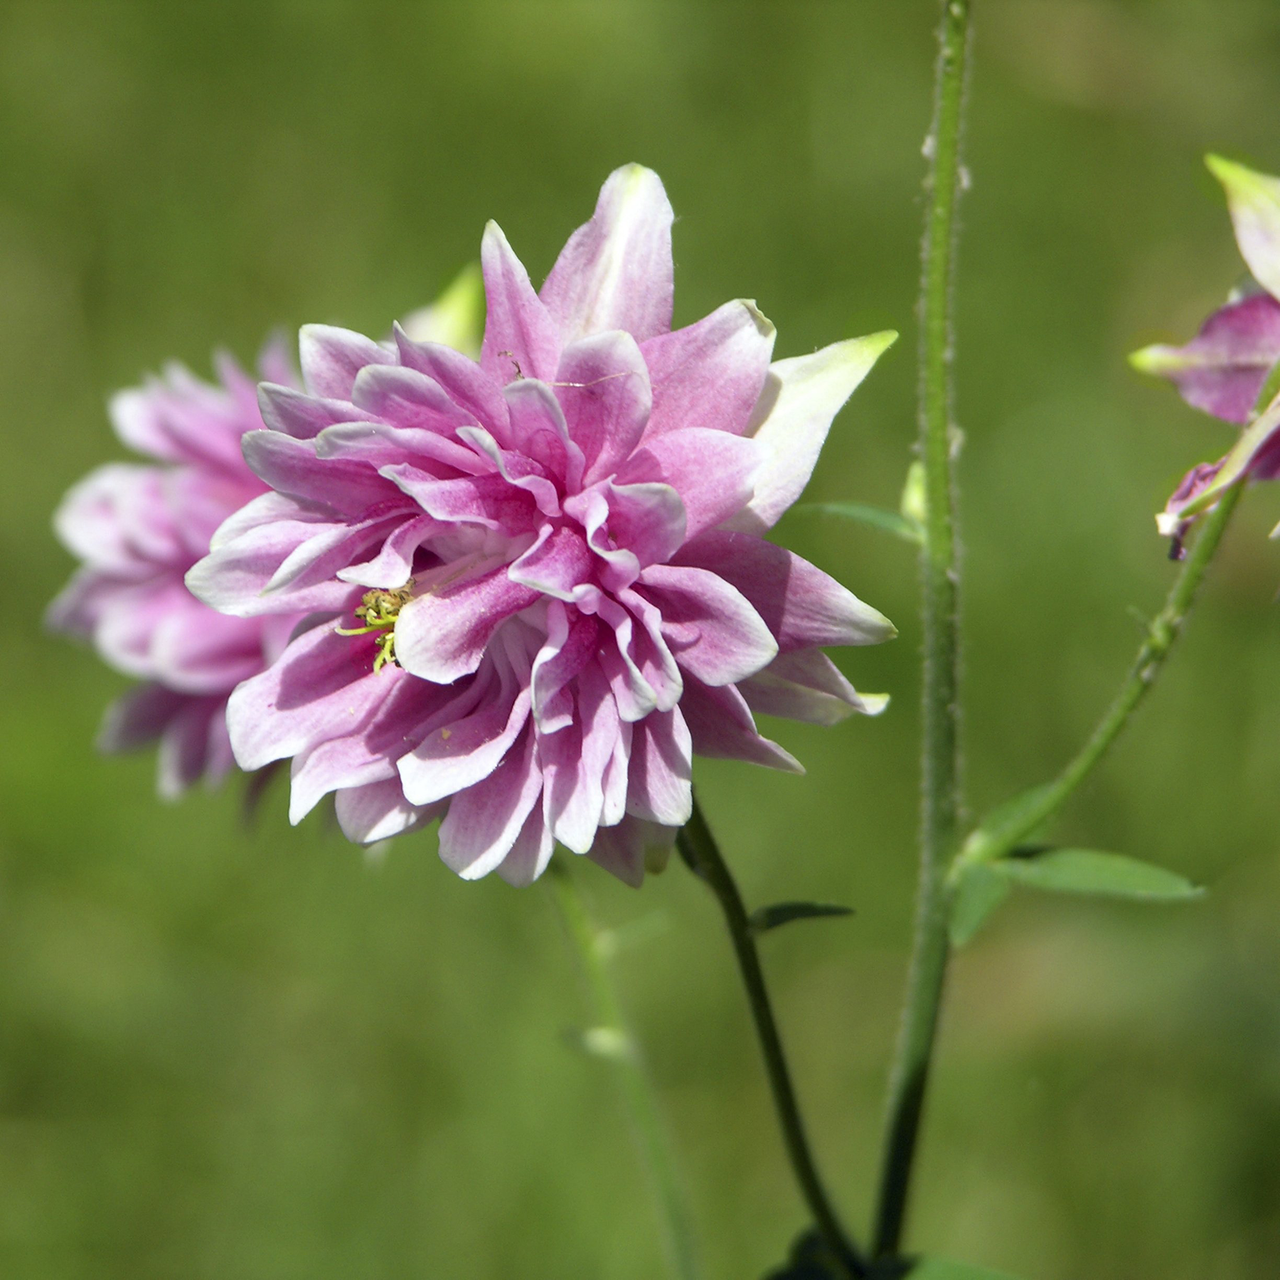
(940,582)
(701,854)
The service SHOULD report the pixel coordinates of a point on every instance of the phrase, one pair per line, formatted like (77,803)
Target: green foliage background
(234,1051)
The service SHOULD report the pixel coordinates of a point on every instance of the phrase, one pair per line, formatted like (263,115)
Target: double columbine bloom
(139,528)
(1225,367)
(533,585)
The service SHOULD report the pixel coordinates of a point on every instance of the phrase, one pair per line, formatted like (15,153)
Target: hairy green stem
(1156,646)
(702,855)
(611,1039)
(940,576)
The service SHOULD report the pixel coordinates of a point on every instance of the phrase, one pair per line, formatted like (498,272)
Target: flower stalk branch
(940,575)
(611,1038)
(702,855)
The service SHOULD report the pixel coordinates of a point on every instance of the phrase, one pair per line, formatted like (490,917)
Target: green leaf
(980,890)
(765,918)
(1111,875)
(944,1269)
(878,517)
(1006,825)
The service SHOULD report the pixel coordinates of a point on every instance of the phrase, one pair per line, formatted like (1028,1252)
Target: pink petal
(332,357)
(709,625)
(603,386)
(709,374)
(711,471)
(615,272)
(806,685)
(484,822)
(443,635)
(632,846)
(300,415)
(292,468)
(321,687)
(466,750)
(462,379)
(378,811)
(557,564)
(520,338)
(802,606)
(530,854)
(722,727)
(1223,368)
(572,639)
(661,787)
(538,430)
(490,501)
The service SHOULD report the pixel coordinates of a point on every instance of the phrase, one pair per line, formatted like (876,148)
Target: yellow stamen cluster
(378,610)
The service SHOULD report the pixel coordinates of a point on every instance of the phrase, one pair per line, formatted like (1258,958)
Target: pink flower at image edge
(537,581)
(138,528)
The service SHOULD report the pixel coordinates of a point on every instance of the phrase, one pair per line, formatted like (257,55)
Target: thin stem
(940,576)
(1156,646)
(700,852)
(611,1039)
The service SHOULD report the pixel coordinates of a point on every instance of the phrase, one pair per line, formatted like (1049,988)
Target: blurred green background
(236,1051)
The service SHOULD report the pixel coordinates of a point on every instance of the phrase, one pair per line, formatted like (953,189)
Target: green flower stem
(700,852)
(1156,645)
(940,574)
(611,1039)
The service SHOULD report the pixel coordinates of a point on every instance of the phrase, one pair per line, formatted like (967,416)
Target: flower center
(378,611)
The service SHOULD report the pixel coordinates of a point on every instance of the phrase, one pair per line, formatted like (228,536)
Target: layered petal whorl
(541,570)
(138,528)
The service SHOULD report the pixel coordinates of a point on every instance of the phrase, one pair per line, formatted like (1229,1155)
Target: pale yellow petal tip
(873,703)
(1239,181)
(1155,360)
(877,343)
(1167,523)
(762,321)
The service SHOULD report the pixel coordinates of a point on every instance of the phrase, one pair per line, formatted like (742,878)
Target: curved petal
(520,338)
(800,604)
(1223,368)
(709,374)
(615,272)
(714,473)
(709,625)
(806,685)
(484,821)
(443,635)
(722,727)
(800,398)
(603,385)
(660,787)
(378,811)
(332,357)
(1254,201)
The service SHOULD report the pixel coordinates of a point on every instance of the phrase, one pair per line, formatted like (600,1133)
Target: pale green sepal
(1006,825)
(801,396)
(913,504)
(456,318)
(945,1269)
(979,890)
(1109,875)
(1254,201)
(1162,361)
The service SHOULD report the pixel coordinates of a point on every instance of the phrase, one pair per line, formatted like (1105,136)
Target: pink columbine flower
(537,581)
(1225,367)
(139,527)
